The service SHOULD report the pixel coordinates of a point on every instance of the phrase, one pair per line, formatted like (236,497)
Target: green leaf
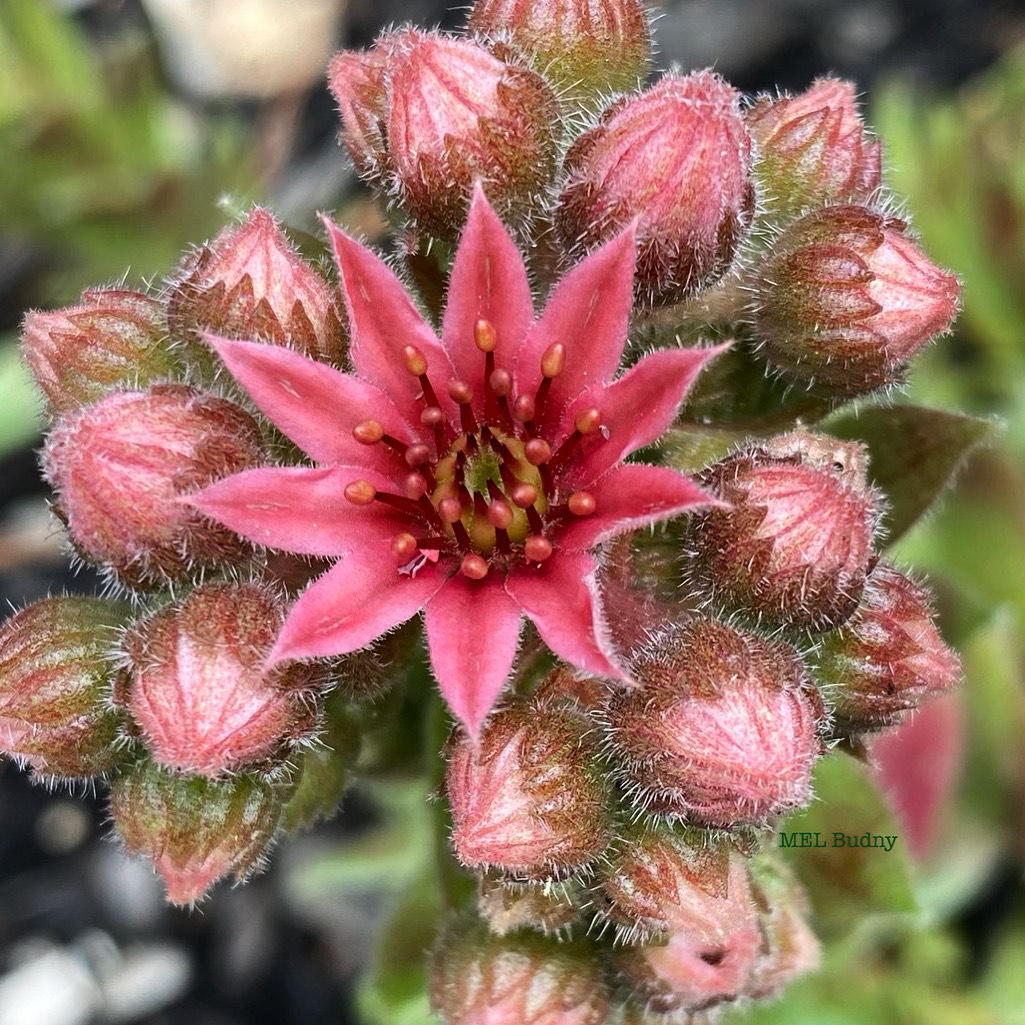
(915,453)
(846,883)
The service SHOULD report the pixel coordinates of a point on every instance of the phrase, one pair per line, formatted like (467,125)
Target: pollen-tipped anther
(360,492)
(403,547)
(485,336)
(523,495)
(554,360)
(537,548)
(500,514)
(450,510)
(537,451)
(417,455)
(368,432)
(581,503)
(501,382)
(474,567)
(414,486)
(523,408)
(588,421)
(414,361)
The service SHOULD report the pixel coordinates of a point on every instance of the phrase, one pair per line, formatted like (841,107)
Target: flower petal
(636,409)
(297,508)
(383,321)
(561,598)
(361,597)
(488,281)
(632,496)
(314,404)
(588,313)
(473,630)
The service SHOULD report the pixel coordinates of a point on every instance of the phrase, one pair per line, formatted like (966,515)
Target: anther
(360,492)
(368,432)
(432,417)
(523,494)
(581,503)
(414,486)
(474,567)
(460,392)
(501,382)
(523,409)
(554,360)
(588,421)
(414,361)
(450,510)
(417,455)
(500,514)
(485,336)
(537,451)
(537,548)
(403,547)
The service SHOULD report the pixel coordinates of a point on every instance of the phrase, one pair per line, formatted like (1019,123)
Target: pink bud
(887,658)
(119,467)
(528,797)
(677,158)
(481,979)
(813,148)
(844,299)
(548,908)
(723,731)
(195,830)
(457,115)
(357,82)
(56,680)
(199,691)
(112,337)
(586,48)
(250,283)
(796,545)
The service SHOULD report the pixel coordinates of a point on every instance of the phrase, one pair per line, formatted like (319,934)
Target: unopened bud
(844,299)
(586,48)
(193,829)
(887,658)
(198,688)
(724,729)
(677,157)
(528,798)
(357,82)
(250,283)
(796,544)
(813,149)
(120,466)
(56,681)
(546,907)
(112,337)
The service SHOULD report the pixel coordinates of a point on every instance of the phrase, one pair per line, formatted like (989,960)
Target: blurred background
(130,130)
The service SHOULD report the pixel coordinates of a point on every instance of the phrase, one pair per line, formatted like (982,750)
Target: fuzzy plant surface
(580,442)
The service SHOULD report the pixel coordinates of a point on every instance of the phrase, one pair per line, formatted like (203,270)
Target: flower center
(486,494)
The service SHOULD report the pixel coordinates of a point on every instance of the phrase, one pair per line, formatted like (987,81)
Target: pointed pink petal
(635,410)
(561,597)
(633,496)
(589,313)
(473,630)
(312,403)
(488,281)
(917,766)
(361,597)
(297,508)
(383,321)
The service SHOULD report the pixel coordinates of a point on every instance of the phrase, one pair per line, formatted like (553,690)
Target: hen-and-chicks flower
(470,476)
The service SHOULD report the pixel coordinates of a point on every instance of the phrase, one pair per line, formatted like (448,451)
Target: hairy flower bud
(677,158)
(547,907)
(250,283)
(56,680)
(586,48)
(481,979)
(195,830)
(357,81)
(198,688)
(119,467)
(844,299)
(458,115)
(796,545)
(887,658)
(723,731)
(813,149)
(111,337)
(528,797)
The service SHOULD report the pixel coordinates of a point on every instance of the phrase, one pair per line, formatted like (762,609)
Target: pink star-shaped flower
(469,477)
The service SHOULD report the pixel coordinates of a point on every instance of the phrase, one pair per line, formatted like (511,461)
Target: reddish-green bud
(813,149)
(56,681)
(586,48)
(547,907)
(887,658)
(112,337)
(195,830)
(199,691)
(724,731)
(120,467)
(844,299)
(796,545)
(481,979)
(677,158)
(357,81)
(457,115)
(528,798)
(250,283)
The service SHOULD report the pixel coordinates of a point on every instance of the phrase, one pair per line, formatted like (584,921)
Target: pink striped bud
(507,907)
(357,81)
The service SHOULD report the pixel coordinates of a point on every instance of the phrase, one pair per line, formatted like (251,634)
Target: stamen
(368,432)
(502,541)
(414,486)
(500,514)
(414,360)
(534,519)
(554,360)
(501,382)
(523,409)
(417,455)
(450,510)
(460,392)
(432,417)
(523,495)
(581,503)
(403,547)
(474,567)
(537,548)
(360,492)
(588,421)
(462,537)
(485,335)
(537,451)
